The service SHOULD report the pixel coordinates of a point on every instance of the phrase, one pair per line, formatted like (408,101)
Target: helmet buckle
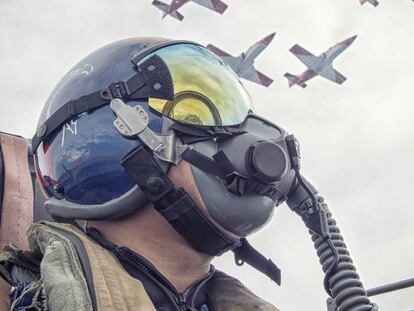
(116,90)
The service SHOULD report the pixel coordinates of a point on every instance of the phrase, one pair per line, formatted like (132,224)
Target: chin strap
(175,205)
(247,254)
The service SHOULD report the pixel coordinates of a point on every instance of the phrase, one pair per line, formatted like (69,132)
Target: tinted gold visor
(206,90)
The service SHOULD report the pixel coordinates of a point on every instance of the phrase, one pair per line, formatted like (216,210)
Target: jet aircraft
(318,65)
(373,2)
(172,9)
(243,64)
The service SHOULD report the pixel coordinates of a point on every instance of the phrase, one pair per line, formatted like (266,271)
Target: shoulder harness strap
(110,286)
(17,203)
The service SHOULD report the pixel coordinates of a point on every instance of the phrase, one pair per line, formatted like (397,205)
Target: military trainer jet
(373,2)
(172,9)
(243,64)
(318,65)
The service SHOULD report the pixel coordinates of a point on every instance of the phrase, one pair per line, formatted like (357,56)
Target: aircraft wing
(166,9)
(176,4)
(215,5)
(256,76)
(304,56)
(233,62)
(333,75)
(218,51)
(161,5)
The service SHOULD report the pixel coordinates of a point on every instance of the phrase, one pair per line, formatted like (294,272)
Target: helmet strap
(175,205)
(139,86)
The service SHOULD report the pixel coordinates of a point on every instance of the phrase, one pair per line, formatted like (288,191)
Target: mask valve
(266,161)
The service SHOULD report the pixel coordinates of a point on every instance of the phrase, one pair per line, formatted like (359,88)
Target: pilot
(152,163)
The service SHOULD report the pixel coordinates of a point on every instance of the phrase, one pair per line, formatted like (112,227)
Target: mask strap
(236,183)
(202,162)
(175,205)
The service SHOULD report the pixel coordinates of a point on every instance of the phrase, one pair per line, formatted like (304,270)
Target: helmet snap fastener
(41,130)
(58,191)
(155,185)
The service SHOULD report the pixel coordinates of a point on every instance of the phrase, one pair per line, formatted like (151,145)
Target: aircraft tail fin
(373,2)
(161,6)
(165,9)
(219,6)
(215,5)
(292,79)
(250,73)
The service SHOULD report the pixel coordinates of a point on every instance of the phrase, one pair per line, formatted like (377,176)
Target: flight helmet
(122,116)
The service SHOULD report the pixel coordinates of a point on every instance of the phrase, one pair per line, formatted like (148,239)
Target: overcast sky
(357,139)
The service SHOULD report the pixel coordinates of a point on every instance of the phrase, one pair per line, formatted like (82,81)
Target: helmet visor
(206,90)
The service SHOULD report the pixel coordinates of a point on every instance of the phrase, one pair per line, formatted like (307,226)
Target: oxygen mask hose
(341,280)
(315,217)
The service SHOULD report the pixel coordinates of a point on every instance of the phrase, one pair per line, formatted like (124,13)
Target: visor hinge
(133,121)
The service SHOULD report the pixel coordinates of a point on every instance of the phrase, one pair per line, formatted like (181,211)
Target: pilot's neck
(150,235)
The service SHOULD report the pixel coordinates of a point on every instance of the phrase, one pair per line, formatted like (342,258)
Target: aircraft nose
(269,38)
(350,40)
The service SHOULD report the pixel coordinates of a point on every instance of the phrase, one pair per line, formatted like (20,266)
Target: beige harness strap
(4,294)
(17,210)
(115,289)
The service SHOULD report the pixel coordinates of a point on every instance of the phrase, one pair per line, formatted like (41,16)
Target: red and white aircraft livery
(318,65)
(172,9)
(373,2)
(243,64)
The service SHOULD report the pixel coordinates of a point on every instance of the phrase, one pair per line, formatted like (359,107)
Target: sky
(356,139)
